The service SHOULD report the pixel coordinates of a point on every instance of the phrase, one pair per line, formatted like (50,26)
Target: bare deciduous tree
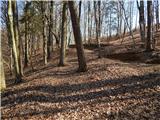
(14,37)
(44,14)
(149,22)
(63,35)
(78,37)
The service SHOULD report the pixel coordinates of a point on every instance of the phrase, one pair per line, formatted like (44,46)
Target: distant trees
(42,22)
(14,40)
(77,36)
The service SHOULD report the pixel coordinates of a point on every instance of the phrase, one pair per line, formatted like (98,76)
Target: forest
(80,60)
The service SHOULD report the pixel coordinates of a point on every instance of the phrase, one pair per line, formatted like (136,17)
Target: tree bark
(97,21)
(63,35)
(85,24)
(78,37)
(26,53)
(57,26)
(50,39)
(80,3)
(157,15)
(16,32)
(149,22)
(2,76)
(14,46)
(44,14)
(141,20)
(89,27)
(119,14)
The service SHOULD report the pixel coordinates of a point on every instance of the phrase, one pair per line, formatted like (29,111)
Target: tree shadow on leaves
(70,92)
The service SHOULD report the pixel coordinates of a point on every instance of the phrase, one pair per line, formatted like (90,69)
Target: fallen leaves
(110,89)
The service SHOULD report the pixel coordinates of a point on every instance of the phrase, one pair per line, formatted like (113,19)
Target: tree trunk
(110,29)
(118,20)
(26,53)
(78,37)
(2,76)
(16,33)
(141,20)
(130,13)
(63,35)
(89,10)
(55,24)
(44,14)
(149,22)
(152,29)
(157,15)
(127,24)
(9,42)
(14,46)
(11,60)
(99,28)
(50,39)
(97,21)
(91,32)
(85,24)
(80,3)
(119,29)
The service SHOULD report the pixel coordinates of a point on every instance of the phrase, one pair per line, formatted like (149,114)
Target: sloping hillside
(122,84)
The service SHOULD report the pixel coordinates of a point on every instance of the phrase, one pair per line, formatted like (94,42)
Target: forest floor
(122,85)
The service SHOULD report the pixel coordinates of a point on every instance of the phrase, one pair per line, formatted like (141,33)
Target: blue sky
(135,14)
